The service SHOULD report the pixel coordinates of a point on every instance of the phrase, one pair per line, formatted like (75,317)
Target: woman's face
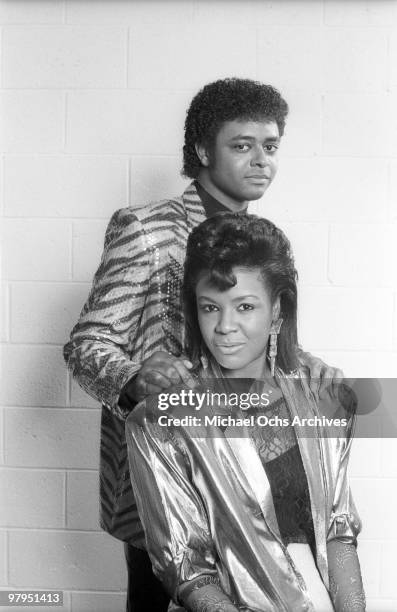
(235,323)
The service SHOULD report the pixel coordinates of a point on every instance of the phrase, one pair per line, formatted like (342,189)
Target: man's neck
(219,195)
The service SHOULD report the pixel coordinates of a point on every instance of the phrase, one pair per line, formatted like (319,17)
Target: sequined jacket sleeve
(99,350)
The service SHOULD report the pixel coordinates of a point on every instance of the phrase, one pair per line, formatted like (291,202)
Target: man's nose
(226,322)
(259,157)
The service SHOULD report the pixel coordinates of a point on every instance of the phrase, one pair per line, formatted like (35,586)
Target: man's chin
(255,193)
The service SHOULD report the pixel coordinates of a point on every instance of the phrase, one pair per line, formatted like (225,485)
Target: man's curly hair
(227,100)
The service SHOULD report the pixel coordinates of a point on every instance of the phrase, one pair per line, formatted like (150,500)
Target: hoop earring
(274,332)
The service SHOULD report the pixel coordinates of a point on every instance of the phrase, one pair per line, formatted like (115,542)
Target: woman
(239,515)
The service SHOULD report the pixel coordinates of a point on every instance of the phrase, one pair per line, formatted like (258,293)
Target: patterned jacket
(134,309)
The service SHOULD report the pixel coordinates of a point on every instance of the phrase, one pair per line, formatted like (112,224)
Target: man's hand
(157,373)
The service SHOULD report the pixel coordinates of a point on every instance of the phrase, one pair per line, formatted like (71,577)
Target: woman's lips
(229,348)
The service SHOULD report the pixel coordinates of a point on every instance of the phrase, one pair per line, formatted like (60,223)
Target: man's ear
(202,154)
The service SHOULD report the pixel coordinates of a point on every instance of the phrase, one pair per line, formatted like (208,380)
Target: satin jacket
(206,507)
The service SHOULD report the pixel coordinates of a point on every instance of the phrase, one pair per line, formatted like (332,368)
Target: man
(129,339)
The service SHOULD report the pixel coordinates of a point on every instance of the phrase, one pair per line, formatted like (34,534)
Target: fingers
(161,371)
(182,366)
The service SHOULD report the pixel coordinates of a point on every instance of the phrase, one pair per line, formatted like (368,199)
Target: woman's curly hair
(229,240)
(227,100)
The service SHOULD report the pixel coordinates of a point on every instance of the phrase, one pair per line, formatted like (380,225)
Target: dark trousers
(145,592)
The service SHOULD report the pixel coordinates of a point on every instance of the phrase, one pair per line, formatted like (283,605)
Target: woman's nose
(226,322)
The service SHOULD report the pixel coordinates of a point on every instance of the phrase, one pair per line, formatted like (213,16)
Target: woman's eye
(244,307)
(208,307)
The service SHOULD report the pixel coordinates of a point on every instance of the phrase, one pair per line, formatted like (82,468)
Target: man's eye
(271,148)
(242,148)
(244,307)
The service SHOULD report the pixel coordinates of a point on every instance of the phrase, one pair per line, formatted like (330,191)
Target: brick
(80,56)
(74,560)
(329,189)
(3,558)
(126,122)
(393,58)
(354,60)
(381,605)
(129,13)
(369,557)
(80,399)
(33,498)
(280,64)
(82,501)
(365,458)
(388,575)
(395,322)
(359,14)
(389,456)
(393,188)
(306,239)
(84,186)
(376,501)
(2,161)
(52,438)
(36,249)
(45,313)
(65,607)
(303,134)
(4,313)
(343,319)
(87,602)
(168,183)
(171,69)
(88,239)
(33,376)
(1,436)
(363,255)
(241,13)
(33,121)
(24,11)
(255,13)
(290,12)
(361,364)
(360,125)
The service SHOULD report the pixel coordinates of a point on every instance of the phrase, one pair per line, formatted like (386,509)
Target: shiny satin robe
(205,503)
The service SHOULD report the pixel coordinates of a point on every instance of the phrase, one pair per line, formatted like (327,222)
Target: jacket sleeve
(177,533)
(345,523)
(97,353)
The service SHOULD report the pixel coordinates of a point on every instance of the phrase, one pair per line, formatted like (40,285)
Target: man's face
(242,162)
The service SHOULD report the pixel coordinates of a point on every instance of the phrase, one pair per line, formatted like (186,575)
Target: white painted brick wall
(64,186)
(93,99)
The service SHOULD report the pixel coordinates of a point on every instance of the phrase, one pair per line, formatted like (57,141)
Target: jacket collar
(193,205)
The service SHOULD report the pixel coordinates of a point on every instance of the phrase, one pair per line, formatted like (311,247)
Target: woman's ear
(276,309)
(202,154)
